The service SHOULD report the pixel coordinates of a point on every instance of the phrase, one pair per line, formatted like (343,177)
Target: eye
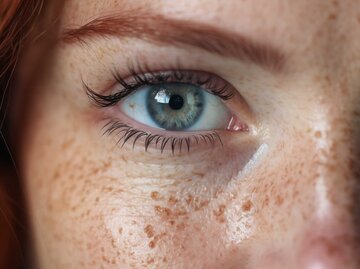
(169,109)
(177,107)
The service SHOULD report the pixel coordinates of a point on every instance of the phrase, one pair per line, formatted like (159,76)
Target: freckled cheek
(167,229)
(86,211)
(90,210)
(94,206)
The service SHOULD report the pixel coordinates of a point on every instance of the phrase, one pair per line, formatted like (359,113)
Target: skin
(281,196)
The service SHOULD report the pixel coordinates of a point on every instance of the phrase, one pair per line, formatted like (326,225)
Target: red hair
(17,21)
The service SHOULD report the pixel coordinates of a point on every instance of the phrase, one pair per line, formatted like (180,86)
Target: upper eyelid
(225,91)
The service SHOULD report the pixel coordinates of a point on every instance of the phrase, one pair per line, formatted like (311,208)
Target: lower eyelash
(128,134)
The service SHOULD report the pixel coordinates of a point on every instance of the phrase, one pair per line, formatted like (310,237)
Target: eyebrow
(168,31)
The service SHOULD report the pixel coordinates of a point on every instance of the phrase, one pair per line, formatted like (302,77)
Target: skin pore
(281,195)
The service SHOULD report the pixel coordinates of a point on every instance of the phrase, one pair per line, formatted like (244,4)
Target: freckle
(201,205)
(201,175)
(172,200)
(149,230)
(119,191)
(162,211)
(152,244)
(246,207)
(332,16)
(106,259)
(58,237)
(308,130)
(332,167)
(120,230)
(189,199)
(221,210)
(56,174)
(219,213)
(266,201)
(279,200)
(87,213)
(107,189)
(296,193)
(318,134)
(179,212)
(155,195)
(67,144)
(113,243)
(95,171)
(180,226)
(197,227)
(106,164)
(97,199)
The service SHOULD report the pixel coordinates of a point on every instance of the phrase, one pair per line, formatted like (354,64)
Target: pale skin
(282,195)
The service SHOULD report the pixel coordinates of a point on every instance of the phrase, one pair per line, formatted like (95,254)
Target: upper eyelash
(142,77)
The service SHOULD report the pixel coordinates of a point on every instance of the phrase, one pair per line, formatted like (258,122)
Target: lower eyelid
(234,151)
(131,135)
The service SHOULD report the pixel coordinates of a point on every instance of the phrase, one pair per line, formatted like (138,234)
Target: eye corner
(236,125)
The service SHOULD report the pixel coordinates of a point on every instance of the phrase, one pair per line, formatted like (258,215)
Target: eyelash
(155,139)
(142,76)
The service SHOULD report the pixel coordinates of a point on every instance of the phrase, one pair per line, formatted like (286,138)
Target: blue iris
(175,106)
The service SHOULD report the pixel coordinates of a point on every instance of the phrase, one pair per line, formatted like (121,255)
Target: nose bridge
(336,123)
(337,143)
(332,241)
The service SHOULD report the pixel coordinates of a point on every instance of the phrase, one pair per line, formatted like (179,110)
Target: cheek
(84,216)
(89,211)
(94,206)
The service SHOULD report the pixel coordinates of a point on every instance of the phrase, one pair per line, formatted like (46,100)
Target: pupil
(176,102)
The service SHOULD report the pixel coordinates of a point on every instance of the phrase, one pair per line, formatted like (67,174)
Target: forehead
(316,34)
(281,20)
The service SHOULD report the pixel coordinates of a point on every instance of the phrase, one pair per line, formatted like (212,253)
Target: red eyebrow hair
(158,29)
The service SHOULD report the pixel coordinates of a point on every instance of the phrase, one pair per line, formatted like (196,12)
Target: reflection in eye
(169,109)
(177,107)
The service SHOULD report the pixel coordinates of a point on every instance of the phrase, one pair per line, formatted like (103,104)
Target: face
(197,134)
